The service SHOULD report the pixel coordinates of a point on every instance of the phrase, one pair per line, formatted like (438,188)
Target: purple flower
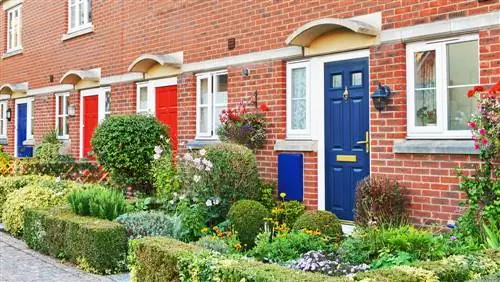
(453,238)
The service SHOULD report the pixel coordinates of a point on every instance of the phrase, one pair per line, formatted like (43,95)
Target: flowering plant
(243,126)
(165,177)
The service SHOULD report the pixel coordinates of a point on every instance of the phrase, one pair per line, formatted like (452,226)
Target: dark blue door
(346,133)
(22,122)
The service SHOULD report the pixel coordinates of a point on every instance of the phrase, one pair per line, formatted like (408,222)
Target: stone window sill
(296,145)
(452,147)
(198,143)
(77,33)
(12,53)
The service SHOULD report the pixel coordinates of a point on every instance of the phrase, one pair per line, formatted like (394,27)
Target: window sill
(3,141)
(452,147)
(296,145)
(78,32)
(200,143)
(12,53)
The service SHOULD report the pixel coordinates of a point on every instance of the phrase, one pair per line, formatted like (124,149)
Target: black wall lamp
(381,97)
(8,114)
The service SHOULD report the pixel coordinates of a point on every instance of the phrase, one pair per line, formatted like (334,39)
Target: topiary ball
(247,218)
(323,221)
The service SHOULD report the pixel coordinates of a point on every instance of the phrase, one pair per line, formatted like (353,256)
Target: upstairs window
(79,15)
(14,29)
(3,119)
(62,116)
(211,99)
(439,74)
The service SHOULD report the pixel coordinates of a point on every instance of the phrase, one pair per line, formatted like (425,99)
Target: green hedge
(166,259)
(455,268)
(98,246)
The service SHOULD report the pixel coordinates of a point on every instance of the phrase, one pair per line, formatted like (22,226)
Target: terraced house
(354,87)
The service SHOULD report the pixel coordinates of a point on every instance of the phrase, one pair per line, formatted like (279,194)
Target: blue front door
(22,122)
(346,131)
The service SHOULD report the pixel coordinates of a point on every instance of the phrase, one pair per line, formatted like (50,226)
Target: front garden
(205,215)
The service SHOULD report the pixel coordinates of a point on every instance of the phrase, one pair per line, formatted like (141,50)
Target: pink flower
(482,131)
(472,124)
(485,141)
(476,146)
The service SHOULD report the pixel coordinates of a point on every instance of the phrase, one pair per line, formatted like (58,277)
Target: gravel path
(20,264)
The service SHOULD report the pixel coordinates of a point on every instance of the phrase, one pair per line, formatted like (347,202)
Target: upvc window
(79,14)
(14,29)
(3,119)
(211,99)
(298,101)
(62,116)
(143,99)
(107,103)
(439,75)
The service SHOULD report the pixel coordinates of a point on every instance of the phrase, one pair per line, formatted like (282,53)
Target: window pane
(337,81)
(89,12)
(204,91)
(107,101)
(60,124)
(299,83)
(66,102)
(72,17)
(218,111)
(222,83)
(66,123)
(60,103)
(463,63)
(357,79)
(221,98)
(81,14)
(143,98)
(425,107)
(460,108)
(299,114)
(425,69)
(204,120)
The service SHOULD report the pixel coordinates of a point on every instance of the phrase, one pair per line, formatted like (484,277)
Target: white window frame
(149,110)
(211,133)
(86,22)
(17,29)
(64,114)
(440,131)
(298,133)
(3,118)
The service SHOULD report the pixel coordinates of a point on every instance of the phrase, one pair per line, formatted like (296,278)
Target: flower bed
(98,246)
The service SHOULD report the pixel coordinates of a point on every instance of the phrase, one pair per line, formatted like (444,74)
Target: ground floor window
(62,116)
(211,100)
(3,119)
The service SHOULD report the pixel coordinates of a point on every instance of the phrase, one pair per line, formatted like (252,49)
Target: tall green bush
(124,146)
(97,201)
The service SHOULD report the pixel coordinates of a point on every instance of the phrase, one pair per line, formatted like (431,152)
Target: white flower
(188,157)
(182,197)
(156,156)
(203,152)
(216,201)
(208,203)
(171,202)
(161,136)
(197,161)
(58,179)
(196,178)
(207,168)
(158,150)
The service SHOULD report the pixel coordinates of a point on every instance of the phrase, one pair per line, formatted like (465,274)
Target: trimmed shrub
(234,174)
(151,223)
(213,243)
(12,183)
(247,219)
(323,221)
(165,259)
(399,274)
(97,201)
(380,201)
(97,246)
(31,196)
(124,146)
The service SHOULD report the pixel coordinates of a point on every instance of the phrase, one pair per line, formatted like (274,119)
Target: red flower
(473,91)
(472,124)
(263,107)
(470,93)
(495,88)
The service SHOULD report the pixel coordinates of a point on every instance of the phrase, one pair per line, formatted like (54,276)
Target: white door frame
(151,86)
(101,93)
(28,101)
(318,110)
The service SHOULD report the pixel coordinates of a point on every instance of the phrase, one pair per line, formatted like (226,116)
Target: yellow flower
(237,246)
(204,230)
(282,195)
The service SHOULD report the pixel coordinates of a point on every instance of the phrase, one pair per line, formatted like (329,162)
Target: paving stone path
(18,263)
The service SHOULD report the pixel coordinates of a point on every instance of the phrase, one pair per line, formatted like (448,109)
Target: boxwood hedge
(98,246)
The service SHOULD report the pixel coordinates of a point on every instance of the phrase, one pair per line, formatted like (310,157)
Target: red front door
(166,110)
(90,122)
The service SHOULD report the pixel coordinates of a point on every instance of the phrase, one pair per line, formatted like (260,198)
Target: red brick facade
(123,30)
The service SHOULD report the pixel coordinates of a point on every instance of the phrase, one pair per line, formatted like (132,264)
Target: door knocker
(346,94)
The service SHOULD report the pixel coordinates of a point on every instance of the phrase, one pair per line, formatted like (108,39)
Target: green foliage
(323,221)
(390,259)
(287,212)
(31,196)
(488,278)
(287,246)
(124,146)
(164,259)
(166,178)
(397,274)
(194,218)
(47,152)
(492,233)
(214,243)
(386,244)
(151,223)
(97,201)
(11,183)
(50,138)
(267,197)
(247,218)
(380,201)
(65,168)
(98,246)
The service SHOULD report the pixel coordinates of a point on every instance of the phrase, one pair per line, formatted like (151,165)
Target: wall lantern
(381,97)
(9,114)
